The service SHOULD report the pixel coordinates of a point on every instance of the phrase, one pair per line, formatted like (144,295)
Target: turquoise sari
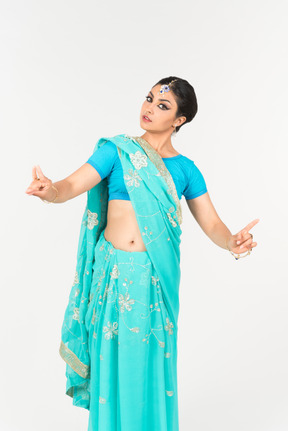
(99,293)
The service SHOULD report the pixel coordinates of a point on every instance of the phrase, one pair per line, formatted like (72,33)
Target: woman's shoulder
(111,142)
(186,161)
(189,167)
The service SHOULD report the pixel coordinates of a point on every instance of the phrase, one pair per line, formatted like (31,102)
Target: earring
(174,133)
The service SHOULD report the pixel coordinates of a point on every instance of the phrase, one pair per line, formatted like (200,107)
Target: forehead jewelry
(166,87)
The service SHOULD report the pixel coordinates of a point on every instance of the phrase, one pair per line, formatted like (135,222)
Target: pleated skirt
(132,345)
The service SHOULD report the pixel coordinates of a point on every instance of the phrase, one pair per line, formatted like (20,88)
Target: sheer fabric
(122,314)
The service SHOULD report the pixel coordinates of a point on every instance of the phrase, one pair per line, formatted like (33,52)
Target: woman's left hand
(242,241)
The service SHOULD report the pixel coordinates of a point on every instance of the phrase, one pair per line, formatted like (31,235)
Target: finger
(248,247)
(33,188)
(245,248)
(243,232)
(250,225)
(240,237)
(38,193)
(38,185)
(246,243)
(246,236)
(41,175)
(34,172)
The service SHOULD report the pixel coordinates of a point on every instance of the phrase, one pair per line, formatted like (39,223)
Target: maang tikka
(166,87)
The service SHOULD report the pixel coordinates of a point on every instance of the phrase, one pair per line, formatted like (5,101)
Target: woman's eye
(160,104)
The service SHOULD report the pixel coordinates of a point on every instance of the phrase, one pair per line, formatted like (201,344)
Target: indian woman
(119,332)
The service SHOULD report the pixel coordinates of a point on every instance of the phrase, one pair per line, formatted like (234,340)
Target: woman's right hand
(42,186)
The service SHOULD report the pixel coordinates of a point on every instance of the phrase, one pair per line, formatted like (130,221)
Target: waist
(122,228)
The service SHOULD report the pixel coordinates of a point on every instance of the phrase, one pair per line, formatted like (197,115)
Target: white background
(72,72)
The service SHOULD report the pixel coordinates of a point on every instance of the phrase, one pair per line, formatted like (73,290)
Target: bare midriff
(122,228)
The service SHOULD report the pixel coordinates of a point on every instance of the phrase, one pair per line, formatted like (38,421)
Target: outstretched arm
(206,216)
(78,182)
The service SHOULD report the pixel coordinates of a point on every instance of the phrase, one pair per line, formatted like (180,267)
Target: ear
(180,121)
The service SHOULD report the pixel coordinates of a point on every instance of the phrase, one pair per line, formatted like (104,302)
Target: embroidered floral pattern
(163,171)
(133,178)
(76,314)
(92,219)
(138,160)
(125,302)
(115,272)
(154,280)
(94,317)
(173,222)
(136,329)
(76,278)
(90,297)
(169,326)
(131,309)
(111,330)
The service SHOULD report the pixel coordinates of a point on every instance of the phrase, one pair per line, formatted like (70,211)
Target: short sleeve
(196,185)
(103,159)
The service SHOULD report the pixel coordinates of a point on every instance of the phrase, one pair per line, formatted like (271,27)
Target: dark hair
(185,97)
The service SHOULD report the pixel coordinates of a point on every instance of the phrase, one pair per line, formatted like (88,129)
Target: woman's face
(161,111)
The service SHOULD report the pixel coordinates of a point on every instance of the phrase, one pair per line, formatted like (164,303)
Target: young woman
(119,335)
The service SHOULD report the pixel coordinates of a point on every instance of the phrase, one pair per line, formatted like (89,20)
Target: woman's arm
(206,216)
(80,181)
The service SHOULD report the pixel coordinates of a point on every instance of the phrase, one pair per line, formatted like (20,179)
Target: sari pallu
(158,212)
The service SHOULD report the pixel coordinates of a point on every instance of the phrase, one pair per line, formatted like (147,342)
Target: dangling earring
(174,133)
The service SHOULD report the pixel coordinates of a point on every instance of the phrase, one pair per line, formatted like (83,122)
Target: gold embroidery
(138,160)
(76,278)
(169,326)
(115,271)
(92,219)
(174,224)
(111,330)
(71,359)
(125,302)
(160,165)
(133,178)
(76,314)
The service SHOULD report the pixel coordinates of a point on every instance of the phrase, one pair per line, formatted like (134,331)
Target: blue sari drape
(158,211)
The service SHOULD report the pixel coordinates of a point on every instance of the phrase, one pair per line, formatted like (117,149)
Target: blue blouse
(187,177)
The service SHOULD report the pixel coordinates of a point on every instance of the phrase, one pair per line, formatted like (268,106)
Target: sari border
(160,165)
(73,361)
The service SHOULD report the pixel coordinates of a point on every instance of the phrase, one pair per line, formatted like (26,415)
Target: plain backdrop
(72,72)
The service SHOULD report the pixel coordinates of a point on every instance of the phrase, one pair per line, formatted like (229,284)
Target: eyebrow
(162,100)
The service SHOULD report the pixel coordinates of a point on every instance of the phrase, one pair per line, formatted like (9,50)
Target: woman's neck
(161,144)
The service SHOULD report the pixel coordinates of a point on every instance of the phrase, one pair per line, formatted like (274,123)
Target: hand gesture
(243,240)
(41,186)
